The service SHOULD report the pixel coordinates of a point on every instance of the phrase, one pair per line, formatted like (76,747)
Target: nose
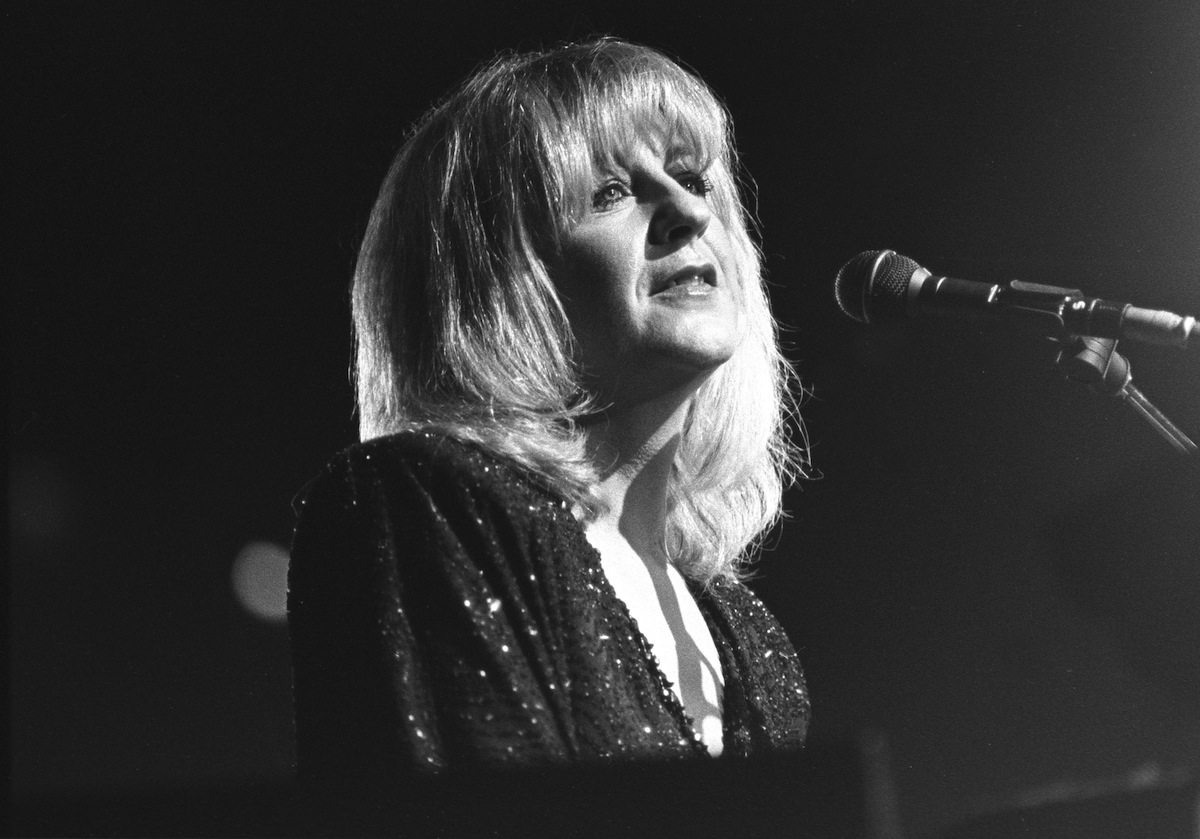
(681,217)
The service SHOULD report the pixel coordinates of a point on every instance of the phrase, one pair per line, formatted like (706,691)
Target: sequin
(540,663)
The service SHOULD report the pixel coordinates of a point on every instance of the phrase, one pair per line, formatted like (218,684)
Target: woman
(572,406)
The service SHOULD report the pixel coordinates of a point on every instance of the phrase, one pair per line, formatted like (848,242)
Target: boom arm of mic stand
(1096,363)
(1141,405)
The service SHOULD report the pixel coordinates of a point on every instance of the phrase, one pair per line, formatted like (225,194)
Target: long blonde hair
(459,328)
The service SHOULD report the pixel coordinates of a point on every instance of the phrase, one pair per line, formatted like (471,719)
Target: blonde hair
(459,328)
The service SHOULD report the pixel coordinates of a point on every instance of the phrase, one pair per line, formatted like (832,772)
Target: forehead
(627,128)
(666,110)
(649,146)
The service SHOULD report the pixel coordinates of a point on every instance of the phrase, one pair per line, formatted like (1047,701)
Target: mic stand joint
(1096,363)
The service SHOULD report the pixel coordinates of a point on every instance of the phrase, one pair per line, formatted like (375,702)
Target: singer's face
(648,279)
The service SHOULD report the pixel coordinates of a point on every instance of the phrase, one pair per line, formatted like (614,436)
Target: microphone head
(871,287)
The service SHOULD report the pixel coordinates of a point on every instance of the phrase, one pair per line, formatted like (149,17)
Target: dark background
(997,570)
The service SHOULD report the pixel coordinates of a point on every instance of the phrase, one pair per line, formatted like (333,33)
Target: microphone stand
(1096,363)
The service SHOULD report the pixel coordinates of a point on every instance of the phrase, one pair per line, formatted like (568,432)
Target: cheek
(725,254)
(587,308)
(597,279)
(598,262)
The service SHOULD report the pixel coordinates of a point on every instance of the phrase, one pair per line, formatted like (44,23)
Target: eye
(695,183)
(608,195)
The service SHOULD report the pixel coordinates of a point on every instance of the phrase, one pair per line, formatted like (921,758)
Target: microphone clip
(1045,309)
(1096,363)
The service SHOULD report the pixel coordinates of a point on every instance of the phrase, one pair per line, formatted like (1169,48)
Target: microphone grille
(871,286)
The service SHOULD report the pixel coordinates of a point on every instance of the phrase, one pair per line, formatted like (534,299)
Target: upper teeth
(687,279)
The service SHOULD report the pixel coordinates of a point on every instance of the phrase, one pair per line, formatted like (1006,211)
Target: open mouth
(694,278)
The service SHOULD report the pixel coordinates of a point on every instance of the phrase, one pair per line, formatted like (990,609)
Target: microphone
(882,286)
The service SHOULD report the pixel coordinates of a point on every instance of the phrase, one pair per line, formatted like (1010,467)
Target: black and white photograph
(545,419)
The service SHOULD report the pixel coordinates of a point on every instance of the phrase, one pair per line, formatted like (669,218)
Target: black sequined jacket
(447,611)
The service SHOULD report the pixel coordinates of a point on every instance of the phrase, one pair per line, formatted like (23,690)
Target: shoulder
(748,622)
(404,468)
(738,597)
(768,670)
(425,453)
(421,512)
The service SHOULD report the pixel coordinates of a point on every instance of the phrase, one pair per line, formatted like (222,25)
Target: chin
(705,359)
(649,376)
(691,364)
(703,348)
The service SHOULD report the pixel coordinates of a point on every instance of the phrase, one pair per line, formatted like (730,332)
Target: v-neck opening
(687,726)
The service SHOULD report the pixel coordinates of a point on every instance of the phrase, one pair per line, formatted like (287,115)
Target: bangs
(605,109)
(647,108)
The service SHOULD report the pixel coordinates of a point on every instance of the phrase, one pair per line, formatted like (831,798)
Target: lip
(705,271)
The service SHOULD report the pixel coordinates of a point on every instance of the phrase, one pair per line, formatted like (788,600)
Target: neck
(635,449)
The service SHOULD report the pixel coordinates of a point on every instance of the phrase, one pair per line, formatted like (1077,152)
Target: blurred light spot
(260,580)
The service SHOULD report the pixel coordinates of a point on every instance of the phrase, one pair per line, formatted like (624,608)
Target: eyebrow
(605,161)
(677,150)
